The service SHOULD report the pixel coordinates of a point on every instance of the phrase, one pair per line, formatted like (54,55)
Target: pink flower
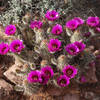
(70,71)
(98,28)
(10,29)
(57,29)
(4,48)
(79,20)
(36,24)
(48,71)
(63,81)
(72,24)
(80,45)
(72,49)
(16,46)
(44,78)
(52,15)
(34,76)
(54,45)
(93,21)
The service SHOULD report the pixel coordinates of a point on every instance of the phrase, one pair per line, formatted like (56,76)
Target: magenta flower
(44,78)
(93,21)
(79,20)
(16,46)
(48,71)
(80,45)
(98,28)
(72,49)
(10,30)
(72,24)
(83,79)
(36,24)
(57,29)
(87,34)
(4,48)
(63,81)
(69,71)
(54,45)
(34,76)
(52,15)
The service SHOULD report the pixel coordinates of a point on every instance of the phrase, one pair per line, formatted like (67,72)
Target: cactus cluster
(53,53)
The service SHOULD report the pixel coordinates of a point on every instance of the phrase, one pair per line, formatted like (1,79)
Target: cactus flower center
(16,47)
(11,30)
(63,82)
(52,15)
(48,73)
(3,49)
(69,72)
(57,31)
(35,77)
(54,45)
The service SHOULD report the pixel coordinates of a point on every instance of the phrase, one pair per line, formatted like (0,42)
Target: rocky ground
(88,91)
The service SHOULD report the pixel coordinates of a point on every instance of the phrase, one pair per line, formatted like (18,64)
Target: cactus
(49,55)
(37,55)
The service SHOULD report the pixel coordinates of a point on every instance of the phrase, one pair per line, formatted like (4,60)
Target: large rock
(5,85)
(5,89)
(12,76)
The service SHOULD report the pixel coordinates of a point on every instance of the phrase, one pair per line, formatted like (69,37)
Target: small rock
(71,97)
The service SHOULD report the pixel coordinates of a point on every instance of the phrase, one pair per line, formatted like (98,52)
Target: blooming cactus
(72,49)
(44,78)
(4,48)
(57,29)
(93,21)
(34,76)
(80,45)
(72,24)
(10,30)
(16,46)
(48,71)
(79,20)
(54,45)
(63,81)
(55,59)
(52,15)
(70,71)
